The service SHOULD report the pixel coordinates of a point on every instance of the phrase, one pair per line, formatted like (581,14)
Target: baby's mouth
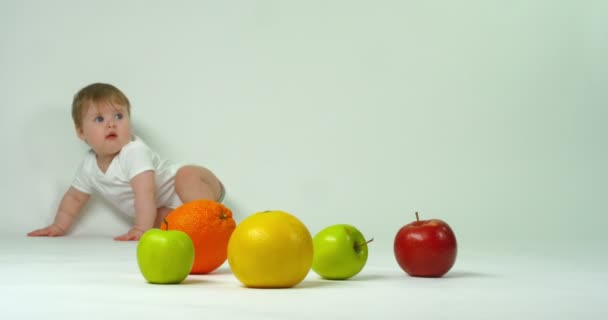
(111,136)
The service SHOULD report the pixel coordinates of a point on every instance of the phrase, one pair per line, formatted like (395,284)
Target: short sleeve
(82,180)
(136,159)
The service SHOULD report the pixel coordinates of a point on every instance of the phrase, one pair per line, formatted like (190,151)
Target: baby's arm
(69,208)
(144,187)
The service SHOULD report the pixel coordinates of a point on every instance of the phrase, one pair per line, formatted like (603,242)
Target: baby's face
(106,127)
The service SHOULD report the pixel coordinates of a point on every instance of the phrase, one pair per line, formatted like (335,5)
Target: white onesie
(114,185)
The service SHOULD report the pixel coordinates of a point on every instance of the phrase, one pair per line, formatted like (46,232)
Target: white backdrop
(490,115)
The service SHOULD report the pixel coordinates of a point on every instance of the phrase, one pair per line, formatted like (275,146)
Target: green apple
(165,256)
(340,252)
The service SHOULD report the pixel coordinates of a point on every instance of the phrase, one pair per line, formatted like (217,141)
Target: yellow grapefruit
(270,249)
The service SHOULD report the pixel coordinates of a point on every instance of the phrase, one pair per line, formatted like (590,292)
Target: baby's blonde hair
(97,93)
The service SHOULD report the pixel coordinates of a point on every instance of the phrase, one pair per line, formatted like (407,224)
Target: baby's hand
(133,235)
(50,231)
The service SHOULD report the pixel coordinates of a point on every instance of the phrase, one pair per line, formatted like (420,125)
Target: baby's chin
(110,148)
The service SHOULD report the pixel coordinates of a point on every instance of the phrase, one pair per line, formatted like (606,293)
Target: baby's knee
(187,172)
(195,182)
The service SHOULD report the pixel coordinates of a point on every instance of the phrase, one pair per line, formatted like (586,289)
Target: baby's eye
(99,119)
(118,116)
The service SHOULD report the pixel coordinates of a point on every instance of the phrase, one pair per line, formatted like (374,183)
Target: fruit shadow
(216,272)
(306,284)
(367,277)
(193,281)
(467,274)
(358,278)
(195,278)
(317,283)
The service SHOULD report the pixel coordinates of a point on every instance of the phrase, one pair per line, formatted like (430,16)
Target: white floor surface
(97,278)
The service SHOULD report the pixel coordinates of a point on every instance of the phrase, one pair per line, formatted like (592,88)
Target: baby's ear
(79,132)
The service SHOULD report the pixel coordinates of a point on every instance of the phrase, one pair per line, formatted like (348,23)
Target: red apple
(425,248)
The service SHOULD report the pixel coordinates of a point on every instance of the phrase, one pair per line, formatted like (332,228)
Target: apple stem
(166,224)
(364,244)
(417,219)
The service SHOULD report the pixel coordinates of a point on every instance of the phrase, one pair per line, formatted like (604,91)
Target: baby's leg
(195,183)
(161,213)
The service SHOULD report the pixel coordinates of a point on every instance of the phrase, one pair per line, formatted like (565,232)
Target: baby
(123,169)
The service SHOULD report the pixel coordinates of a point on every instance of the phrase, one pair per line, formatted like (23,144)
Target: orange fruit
(209,224)
(271,249)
